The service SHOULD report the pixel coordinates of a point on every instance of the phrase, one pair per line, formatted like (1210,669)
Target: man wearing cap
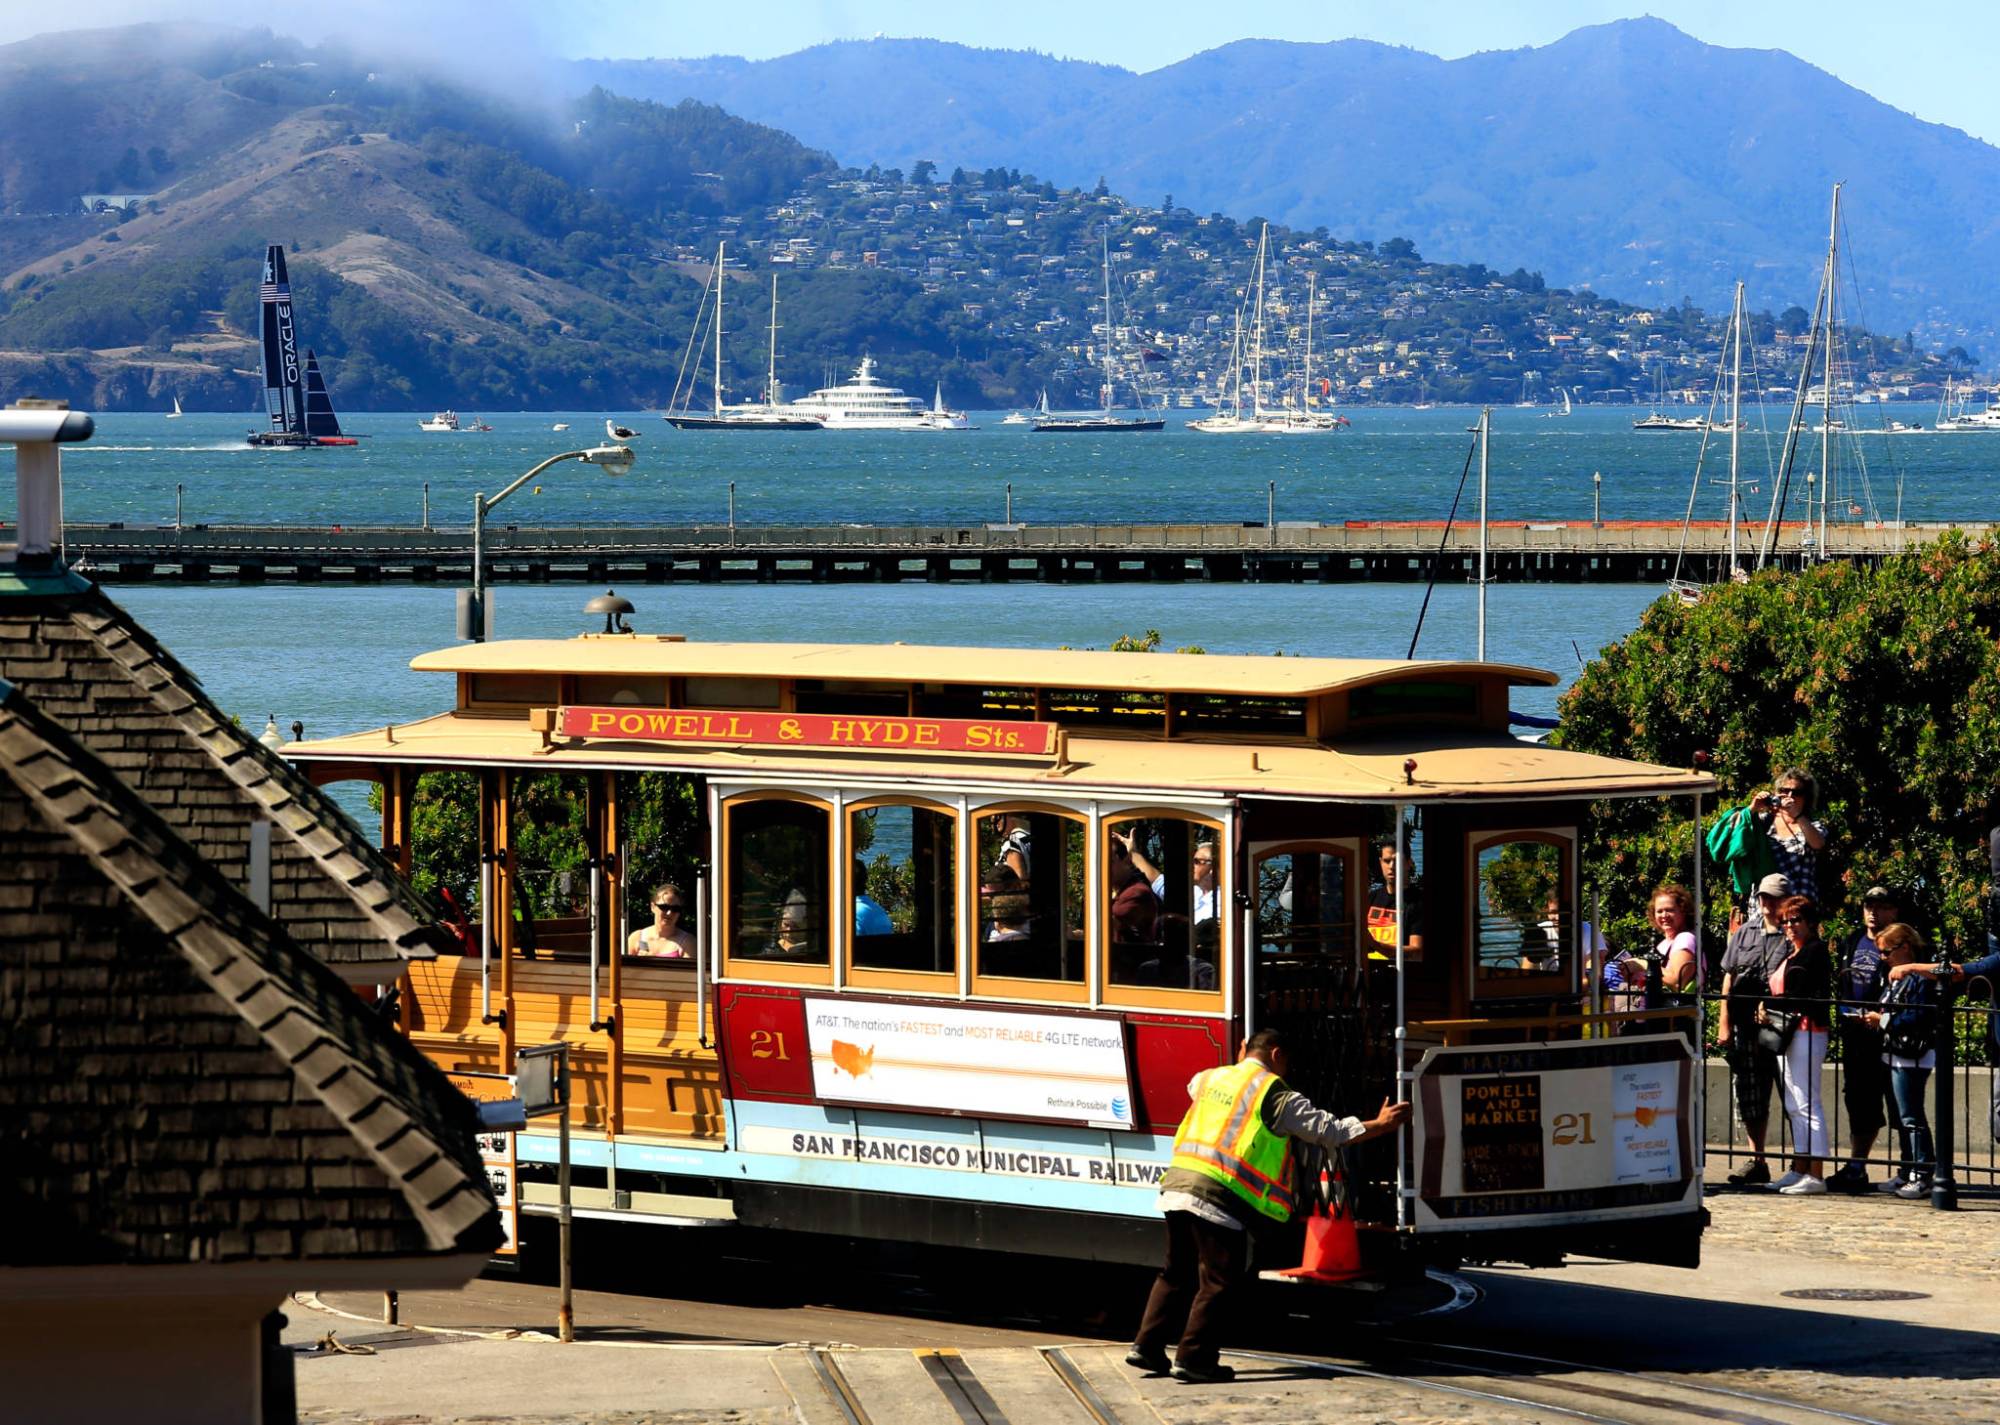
(1864,1076)
(1753,955)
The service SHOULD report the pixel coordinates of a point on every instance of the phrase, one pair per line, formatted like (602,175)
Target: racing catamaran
(295,395)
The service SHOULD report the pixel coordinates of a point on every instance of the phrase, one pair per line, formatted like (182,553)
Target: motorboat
(865,403)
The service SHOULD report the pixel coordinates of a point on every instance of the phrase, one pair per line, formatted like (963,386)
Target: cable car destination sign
(849,733)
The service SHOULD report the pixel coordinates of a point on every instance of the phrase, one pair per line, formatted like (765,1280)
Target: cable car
(961,923)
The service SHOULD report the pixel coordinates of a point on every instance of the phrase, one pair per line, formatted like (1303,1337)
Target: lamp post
(1597,499)
(616,460)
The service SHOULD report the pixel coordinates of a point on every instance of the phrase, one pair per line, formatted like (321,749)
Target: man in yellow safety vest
(1232,1164)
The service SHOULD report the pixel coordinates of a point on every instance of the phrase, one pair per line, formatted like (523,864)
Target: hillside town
(1020,262)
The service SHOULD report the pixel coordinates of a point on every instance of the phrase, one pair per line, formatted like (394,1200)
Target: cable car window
(902,891)
(777,881)
(1522,925)
(731,693)
(662,848)
(1031,905)
(444,846)
(1305,903)
(1163,893)
(548,832)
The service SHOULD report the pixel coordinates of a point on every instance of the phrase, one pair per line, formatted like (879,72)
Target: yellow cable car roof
(1242,675)
(1452,763)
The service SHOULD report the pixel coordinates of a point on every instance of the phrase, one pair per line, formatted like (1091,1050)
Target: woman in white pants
(1802,989)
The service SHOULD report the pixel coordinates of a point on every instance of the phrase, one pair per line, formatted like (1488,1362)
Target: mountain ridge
(1627,156)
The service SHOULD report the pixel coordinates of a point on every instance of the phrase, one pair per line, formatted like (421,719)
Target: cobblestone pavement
(1872,1230)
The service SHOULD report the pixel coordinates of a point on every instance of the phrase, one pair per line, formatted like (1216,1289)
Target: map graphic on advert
(1064,1068)
(1645,1102)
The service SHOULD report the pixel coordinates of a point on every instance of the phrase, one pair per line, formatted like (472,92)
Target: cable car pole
(1485,434)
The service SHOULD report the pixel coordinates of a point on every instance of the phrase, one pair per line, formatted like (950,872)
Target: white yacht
(864,403)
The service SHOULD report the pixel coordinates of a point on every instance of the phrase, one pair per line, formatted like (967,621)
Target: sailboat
(1655,420)
(1260,420)
(176,413)
(1687,590)
(942,417)
(1049,424)
(1562,391)
(765,415)
(1821,348)
(295,396)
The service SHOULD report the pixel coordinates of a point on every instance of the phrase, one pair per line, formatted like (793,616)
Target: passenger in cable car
(797,938)
(1135,909)
(869,917)
(1201,873)
(1382,906)
(668,936)
(1007,900)
(1016,845)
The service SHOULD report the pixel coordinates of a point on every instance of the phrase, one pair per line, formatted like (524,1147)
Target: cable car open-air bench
(993,1049)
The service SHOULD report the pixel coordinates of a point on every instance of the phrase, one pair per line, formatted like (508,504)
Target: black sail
(284,387)
(320,419)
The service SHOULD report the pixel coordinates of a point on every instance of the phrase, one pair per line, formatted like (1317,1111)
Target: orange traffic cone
(1333,1248)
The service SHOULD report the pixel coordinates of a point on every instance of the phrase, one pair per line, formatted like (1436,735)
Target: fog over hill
(1627,156)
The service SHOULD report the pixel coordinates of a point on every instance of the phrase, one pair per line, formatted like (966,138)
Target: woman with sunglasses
(668,936)
(1786,814)
(1802,988)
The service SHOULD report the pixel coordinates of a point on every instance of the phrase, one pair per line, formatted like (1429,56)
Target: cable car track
(1649,1377)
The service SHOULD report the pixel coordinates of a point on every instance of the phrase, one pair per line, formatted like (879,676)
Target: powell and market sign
(816,730)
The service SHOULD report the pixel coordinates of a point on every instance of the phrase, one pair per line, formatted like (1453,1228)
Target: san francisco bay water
(336,657)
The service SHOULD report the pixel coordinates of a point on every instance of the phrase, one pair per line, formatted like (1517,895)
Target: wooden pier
(1519,551)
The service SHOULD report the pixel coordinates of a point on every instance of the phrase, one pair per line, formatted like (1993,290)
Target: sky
(1933,61)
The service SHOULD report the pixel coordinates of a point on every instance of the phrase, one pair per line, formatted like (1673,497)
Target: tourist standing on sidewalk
(1908,1025)
(1232,1167)
(1864,1074)
(1797,841)
(1793,1023)
(1755,951)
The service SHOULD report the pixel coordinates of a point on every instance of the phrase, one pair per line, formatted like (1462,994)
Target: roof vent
(614,608)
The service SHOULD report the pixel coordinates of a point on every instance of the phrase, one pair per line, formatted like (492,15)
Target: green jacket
(1741,845)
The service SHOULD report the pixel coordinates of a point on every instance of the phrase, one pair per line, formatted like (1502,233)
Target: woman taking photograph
(1794,1023)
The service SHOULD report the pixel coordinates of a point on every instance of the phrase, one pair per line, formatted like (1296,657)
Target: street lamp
(1597,499)
(616,460)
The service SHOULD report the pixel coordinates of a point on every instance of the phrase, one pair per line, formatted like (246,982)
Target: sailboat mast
(1485,431)
(771,366)
(1257,342)
(1236,362)
(1312,291)
(1735,421)
(1107,318)
(1826,392)
(718,329)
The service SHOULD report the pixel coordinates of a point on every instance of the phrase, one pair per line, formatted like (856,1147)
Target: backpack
(1911,1030)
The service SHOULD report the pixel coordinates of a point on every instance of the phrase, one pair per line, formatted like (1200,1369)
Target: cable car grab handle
(701,960)
(594,867)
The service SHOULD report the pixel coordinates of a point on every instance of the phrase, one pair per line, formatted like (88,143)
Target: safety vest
(1224,1137)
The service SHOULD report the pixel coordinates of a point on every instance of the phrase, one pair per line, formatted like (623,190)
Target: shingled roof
(179,1080)
(90,666)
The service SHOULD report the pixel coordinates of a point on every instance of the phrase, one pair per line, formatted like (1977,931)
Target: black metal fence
(1841,1096)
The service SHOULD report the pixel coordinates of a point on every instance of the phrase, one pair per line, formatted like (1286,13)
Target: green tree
(1883,684)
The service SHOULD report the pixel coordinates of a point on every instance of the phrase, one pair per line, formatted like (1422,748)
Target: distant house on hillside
(115,202)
